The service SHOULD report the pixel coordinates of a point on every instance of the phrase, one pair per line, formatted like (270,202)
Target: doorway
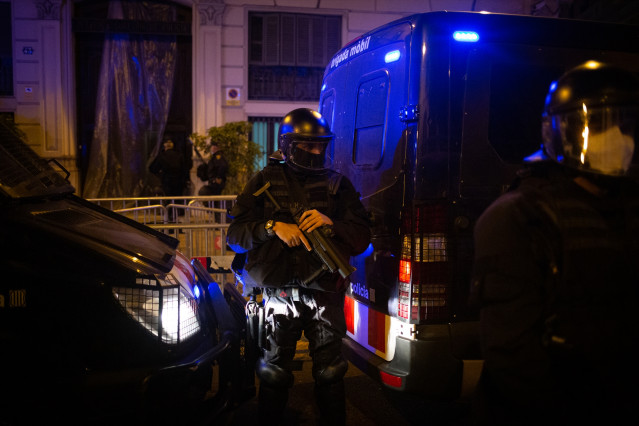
(90,27)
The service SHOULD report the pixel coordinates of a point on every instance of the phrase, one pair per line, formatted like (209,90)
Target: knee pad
(331,373)
(274,375)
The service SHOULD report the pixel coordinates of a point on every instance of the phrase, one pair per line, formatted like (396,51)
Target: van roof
(495,28)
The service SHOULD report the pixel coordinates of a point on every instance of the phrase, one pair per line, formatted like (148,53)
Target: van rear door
(368,106)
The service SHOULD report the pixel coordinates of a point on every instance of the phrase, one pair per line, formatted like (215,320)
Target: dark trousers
(320,315)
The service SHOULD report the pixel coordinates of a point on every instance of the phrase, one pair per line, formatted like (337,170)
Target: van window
(520,77)
(326,108)
(327,104)
(518,91)
(370,121)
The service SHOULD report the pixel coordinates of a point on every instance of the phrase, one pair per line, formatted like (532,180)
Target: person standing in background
(173,171)
(170,167)
(216,172)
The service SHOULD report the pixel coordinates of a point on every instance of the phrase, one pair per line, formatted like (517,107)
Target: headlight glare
(161,307)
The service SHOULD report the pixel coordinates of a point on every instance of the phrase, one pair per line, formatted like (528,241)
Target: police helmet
(304,137)
(590,117)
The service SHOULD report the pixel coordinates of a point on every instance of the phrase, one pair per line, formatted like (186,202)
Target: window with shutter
(271,54)
(288,40)
(318,42)
(288,53)
(256,39)
(303,41)
(333,35)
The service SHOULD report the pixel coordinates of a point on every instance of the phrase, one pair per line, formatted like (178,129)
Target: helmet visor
(310,155)
(600,140)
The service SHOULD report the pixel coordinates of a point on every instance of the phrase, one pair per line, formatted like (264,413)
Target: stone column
(42,81)
(207,64)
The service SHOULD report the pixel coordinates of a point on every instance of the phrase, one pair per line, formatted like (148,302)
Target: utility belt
(255,316)
(255,333)
(292,292)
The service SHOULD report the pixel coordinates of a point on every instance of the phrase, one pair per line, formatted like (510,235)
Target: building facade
(42,91)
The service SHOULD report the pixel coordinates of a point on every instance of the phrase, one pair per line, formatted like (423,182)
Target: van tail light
(390,379)
(424,267)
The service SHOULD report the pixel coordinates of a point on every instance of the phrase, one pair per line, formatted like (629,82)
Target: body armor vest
(591,248)
(297,264)
(318,189)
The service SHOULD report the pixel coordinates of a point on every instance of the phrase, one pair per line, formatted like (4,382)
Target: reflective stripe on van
(374,330)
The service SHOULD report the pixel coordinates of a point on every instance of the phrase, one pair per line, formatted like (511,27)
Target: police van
(433,115)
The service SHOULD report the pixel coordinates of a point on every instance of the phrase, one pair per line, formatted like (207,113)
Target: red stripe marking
(377,330)
(202,260)
(349,314)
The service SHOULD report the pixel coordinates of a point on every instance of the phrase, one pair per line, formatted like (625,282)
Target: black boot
(272,402)
(331,401)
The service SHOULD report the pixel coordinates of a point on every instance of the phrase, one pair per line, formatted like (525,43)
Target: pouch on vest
(266,266)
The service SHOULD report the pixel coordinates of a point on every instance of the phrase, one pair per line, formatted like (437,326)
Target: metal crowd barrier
(198,222)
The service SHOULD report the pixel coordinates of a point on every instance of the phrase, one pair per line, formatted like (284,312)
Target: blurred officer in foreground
(299,294)
(557,265)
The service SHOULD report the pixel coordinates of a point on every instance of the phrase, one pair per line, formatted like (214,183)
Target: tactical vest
(319,190)
(273,264)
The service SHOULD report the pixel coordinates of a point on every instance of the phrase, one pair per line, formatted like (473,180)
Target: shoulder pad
(276,157)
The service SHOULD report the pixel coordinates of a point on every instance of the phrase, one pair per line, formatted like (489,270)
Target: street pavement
(367,403)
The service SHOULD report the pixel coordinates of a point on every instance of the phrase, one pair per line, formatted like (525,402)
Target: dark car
(102,320)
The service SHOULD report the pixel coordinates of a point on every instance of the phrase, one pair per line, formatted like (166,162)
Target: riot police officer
(557,264)
(299,294)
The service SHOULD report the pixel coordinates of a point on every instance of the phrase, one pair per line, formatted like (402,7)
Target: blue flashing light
(323,87)
(466,36)
(196,291)
(391,56)
(538,155)
(369,250)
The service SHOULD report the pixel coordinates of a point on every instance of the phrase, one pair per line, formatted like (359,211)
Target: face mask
(610,152)
(308,160)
